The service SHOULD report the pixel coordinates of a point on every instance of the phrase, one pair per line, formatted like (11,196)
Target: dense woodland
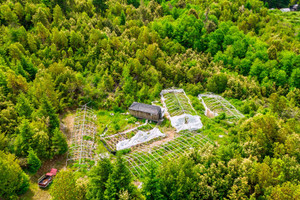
(58,55)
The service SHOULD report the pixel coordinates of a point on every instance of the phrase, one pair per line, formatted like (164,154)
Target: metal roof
(156,110)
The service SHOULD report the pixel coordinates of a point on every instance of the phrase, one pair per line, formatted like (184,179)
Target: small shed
(145,111)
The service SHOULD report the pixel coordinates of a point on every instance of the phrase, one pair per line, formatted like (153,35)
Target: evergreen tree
(122,177)
(23,106)
(98,177)
(295,78)
(151,185)
(100,5)
(110,191)
(123,18)
(13,180)
(24,139)
(33,161)
(47,110)
(29,68)
(217,83)
(3,142)
(59,142)
(57,15)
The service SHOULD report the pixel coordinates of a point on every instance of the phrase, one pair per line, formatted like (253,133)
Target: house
(145,111)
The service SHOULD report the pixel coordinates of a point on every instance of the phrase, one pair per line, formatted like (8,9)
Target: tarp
(140,137)
(186,122)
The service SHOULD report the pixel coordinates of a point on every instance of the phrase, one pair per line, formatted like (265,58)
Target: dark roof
(145,108)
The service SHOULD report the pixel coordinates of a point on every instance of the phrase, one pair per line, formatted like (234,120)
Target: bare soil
(209,114)
(68,123)
(170,136)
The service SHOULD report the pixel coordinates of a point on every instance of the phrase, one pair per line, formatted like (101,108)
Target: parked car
(46,179)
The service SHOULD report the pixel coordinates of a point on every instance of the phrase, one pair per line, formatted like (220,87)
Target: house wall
(144,115)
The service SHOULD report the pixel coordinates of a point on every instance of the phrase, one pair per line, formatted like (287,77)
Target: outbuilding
(145,111)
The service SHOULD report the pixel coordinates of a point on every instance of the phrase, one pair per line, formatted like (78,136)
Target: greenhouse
(180,111)
(215,104)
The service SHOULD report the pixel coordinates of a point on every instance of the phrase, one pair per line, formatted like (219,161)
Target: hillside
(231,69)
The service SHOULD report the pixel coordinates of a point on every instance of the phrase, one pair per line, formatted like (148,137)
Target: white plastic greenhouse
(139,138)
(180,111)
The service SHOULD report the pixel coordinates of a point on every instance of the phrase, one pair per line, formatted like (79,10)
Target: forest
(56,56)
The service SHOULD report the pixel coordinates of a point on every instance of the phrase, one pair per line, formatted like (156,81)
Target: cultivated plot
(139,161)
(83,136)
(176,102)
(180,110)
(140,135)
(215,104)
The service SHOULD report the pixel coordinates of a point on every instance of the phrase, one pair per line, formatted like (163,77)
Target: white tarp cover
(186,122)
(140,137)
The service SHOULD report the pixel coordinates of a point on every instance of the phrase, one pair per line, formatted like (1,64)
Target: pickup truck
(46,179)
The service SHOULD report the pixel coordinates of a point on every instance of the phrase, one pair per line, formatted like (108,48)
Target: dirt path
(67,128)
(58,162)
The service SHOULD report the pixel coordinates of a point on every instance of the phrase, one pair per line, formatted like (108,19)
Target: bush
(13,180)
(132,120)
(34,162)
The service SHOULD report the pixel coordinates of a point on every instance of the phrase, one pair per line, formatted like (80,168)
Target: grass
(115,122)
(178,104)
(36,193)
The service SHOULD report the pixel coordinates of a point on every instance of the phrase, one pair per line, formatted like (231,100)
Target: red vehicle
(46,179)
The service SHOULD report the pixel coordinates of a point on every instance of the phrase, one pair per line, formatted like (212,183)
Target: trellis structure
(215,104)
(111,141)
(176,102)
(139,161)
(179,110)
(83,136)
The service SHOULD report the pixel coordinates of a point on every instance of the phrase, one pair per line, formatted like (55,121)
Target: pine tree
(24,141)
(59,142)
(47,110)
(123,18)
(110,192)
(151,185)
(33,161)
(122,177)
(98,177)
(23,106)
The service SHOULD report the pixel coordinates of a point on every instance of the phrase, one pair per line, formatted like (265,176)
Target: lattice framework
(217,104)
(112,140)
(83,135)
(139,161)
(176,102)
